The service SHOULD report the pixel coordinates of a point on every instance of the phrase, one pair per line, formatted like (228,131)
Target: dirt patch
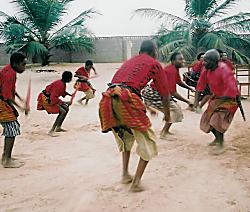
(44,70)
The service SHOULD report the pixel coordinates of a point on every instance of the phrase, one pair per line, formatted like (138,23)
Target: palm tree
(35,30)
(200,31)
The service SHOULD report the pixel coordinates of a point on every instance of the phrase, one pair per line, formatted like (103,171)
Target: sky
(116,14)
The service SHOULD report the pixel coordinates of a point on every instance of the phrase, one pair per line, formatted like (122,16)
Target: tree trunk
(45,59)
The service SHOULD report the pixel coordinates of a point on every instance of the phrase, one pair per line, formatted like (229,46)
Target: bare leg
(59,120)
(126,177)
(204,100)
(219,138)
(80,100)
(214,142)
(165,130)
(7,161)
(64,110)
(217,143)
(136,187)
(87,100)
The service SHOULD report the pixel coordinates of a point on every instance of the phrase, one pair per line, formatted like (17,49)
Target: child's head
(67,76)
(88,64)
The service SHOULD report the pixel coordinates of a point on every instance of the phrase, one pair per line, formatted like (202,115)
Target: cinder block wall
(107,50)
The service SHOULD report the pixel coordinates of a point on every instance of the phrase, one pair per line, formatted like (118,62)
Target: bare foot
(80,102)
(217,150)
(213,143)
(126,179)
(167,136)
(190,108)
(59,129)
(170,133)
(136,188)
(52,134)
(9,163)
(198,110)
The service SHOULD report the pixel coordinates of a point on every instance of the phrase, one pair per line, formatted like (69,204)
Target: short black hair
(88,63)
(147,46)
(17,58)
(173,56)
(199,55)
(67,76)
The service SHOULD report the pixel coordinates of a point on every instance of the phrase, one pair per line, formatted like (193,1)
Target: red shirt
(139,70)
(55,90)
(173,76)
(197,66)
(7,83)
(83,72)
(221,81)
(229,63)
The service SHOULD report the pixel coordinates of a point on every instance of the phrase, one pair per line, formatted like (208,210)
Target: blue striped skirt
(11,129)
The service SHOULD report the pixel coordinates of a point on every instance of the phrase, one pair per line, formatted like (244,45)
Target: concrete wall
(4,58)
(108,50)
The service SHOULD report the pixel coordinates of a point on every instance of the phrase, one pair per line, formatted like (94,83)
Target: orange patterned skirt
(7,113)
(43,104)
(218,115)
(122,110)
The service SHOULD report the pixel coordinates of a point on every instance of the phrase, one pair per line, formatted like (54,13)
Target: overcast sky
(116,14)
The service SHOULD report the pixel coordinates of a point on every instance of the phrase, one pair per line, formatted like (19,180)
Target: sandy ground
(80,170)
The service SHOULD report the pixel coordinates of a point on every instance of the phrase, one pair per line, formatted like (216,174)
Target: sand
(80,170)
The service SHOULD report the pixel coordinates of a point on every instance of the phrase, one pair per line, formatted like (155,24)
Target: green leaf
(166,18)
(220,10)
(199,8)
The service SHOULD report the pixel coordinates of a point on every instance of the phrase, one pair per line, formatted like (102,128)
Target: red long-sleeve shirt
(139,70)
(7,83)
(221,81)
(83,72)
(55,90)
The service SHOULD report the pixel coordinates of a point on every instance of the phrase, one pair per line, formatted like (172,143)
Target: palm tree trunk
(45,59)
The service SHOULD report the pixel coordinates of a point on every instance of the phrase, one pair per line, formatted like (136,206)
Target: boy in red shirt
(82,84)
(8,112)
(49,100)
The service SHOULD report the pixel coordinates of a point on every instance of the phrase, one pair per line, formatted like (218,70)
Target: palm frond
(226,41)
(221,9)
(189,52)
(34,48)
(72,39)
(42,14)
(200,26)
(211,41)
(164,39)
(200,8)
(66,1)
(239,26)
(79,20)
(240,58)
(12,21)
(3,15)
(30,10)
(234,40)
(239,22)
(166,18)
